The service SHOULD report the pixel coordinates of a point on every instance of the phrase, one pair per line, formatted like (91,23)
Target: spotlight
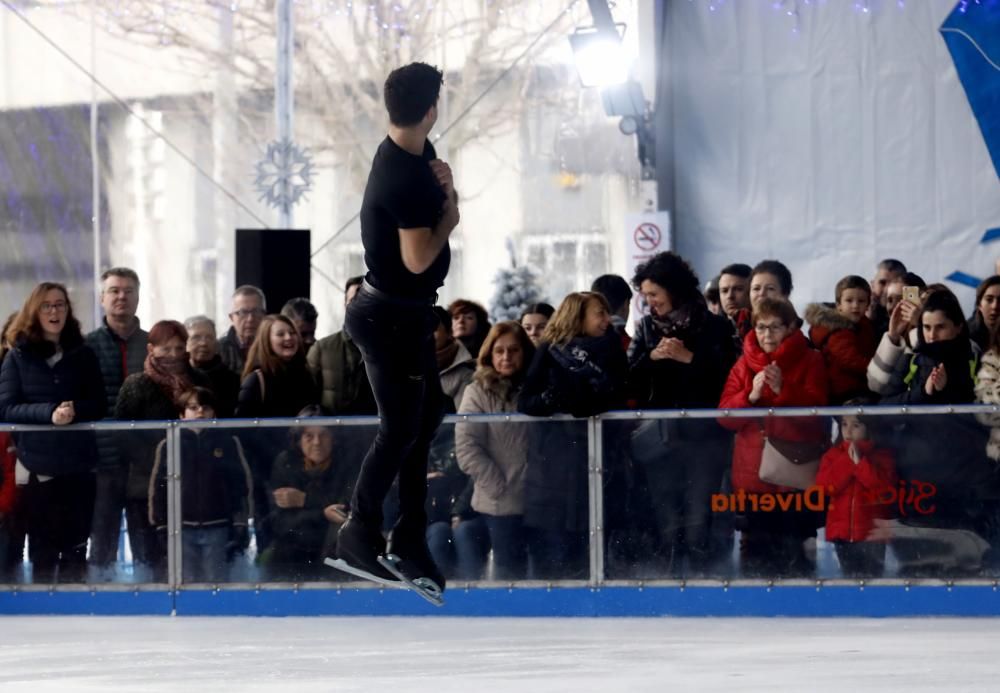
(600,60)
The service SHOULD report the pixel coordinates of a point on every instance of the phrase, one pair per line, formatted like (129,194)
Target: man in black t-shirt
(409,210)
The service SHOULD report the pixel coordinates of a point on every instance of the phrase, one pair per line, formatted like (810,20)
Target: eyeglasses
(244,313)
(772,329)
(58,307)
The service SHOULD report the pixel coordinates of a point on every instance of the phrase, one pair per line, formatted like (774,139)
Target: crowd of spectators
(509,500)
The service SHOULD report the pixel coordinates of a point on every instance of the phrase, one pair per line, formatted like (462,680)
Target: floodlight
(600,59)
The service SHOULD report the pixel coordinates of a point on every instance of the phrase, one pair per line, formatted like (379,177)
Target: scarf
(585,360)
(446,356)
(681,321)
(174,385)
(950,351)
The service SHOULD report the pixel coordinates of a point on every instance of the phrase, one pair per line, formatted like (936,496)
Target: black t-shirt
(402,193)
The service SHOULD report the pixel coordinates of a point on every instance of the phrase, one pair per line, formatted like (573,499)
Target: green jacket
(338,368)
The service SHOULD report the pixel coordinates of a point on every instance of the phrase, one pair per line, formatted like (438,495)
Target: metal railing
(595,477)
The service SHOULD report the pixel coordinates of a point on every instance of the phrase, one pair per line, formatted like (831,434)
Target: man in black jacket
(120,346)
(249,308)
(203,350)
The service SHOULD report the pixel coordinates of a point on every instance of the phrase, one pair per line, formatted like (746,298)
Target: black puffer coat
(31,389)
(584,378)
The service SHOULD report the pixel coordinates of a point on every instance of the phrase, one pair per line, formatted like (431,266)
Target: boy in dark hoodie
(846,338)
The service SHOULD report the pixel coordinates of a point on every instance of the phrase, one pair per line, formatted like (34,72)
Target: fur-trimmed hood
(826,316)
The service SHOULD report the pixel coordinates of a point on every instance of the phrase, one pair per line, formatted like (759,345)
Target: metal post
(601,12)
(225,167)
(95,167)
(284,93)
(174,553)
(595,477)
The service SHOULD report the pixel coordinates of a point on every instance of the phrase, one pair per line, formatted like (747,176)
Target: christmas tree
(516,289)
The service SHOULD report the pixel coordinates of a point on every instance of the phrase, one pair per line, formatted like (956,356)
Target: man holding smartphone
(409,210)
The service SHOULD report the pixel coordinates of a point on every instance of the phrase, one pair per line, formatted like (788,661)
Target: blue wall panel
(806,601)
(87,603)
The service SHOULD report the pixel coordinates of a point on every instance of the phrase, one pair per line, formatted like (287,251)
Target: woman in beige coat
(495,454)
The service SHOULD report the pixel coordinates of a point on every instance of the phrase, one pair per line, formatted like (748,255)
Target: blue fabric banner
(972,33)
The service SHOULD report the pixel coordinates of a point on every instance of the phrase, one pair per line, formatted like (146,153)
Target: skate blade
(425,587)
(345,567)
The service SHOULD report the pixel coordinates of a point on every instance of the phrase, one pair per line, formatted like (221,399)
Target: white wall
(830,148)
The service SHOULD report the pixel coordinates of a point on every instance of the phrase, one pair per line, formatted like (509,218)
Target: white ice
(441,655)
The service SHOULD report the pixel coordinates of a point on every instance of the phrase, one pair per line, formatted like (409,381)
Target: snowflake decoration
(284,175)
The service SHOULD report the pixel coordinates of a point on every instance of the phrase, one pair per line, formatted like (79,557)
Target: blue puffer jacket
(30,390)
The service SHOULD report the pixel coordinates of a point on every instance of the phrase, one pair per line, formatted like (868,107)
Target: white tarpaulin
(830,147)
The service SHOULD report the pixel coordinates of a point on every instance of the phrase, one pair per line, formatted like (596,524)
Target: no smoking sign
(647,237)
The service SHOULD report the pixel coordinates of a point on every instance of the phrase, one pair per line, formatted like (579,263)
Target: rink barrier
(733,600)
(594,597)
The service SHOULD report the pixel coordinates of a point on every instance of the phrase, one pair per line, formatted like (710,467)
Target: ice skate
(358,551)
(410,561)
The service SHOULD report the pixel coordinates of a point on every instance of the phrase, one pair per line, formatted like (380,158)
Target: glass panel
(508,519)
(529,514)
(63,523)
(684,498)
(265,504)
(46,210)
(186,110)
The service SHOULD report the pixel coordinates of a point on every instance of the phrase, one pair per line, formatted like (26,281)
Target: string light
(792,8)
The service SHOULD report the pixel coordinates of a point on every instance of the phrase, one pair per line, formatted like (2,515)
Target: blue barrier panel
(83,603)
(737,601)
(755,601)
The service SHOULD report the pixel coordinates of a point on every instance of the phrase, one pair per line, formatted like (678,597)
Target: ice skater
(409,210)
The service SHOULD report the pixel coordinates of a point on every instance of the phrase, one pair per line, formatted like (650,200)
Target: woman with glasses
(778,369)
(51,377)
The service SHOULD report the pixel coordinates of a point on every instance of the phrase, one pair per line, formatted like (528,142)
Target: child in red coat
(846,338)
(857,476)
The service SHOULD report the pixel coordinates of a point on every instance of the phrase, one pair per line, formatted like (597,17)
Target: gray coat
(494,454)
(457,376)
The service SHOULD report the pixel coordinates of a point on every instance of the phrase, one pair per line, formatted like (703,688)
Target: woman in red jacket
(861,481)
(778,369)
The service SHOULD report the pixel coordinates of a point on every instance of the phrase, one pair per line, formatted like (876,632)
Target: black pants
(148,546)
(863,559)
(105,531)
(397,343)
(681,483)
(57,515)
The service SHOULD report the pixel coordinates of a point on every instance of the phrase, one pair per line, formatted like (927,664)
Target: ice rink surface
(441,655)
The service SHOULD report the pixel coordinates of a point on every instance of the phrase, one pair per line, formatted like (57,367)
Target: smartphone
(912,294)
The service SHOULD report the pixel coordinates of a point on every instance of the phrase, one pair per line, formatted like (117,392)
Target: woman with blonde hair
(580,369)
(276,383)
(495,455)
